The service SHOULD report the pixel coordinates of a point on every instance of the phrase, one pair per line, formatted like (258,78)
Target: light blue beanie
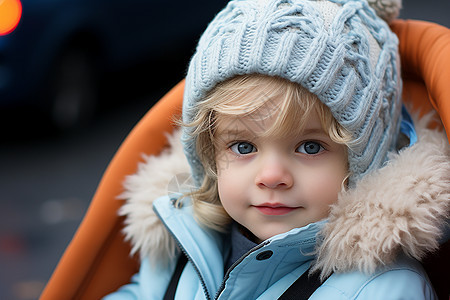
(339,50)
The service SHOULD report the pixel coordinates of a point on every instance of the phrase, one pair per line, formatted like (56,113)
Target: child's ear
(345,183)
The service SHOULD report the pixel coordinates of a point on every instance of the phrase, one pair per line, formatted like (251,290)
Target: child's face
(272,184)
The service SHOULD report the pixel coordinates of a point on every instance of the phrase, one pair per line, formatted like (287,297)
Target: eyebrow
(314,131)
(246,133)
(235,132)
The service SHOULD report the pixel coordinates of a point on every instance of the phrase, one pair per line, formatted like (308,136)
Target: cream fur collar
(398,208)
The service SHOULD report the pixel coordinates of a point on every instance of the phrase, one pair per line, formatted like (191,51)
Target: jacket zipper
(205,290)
(227,275)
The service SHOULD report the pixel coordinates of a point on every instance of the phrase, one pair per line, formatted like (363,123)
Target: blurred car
(53,60)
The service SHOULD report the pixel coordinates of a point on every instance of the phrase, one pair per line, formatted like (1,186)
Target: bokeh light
(10,13)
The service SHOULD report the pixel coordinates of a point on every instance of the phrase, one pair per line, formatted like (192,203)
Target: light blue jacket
(266,271)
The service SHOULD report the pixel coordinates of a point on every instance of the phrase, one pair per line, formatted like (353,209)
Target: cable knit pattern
(339,50)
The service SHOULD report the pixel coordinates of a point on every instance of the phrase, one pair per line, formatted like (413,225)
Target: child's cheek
(232,183)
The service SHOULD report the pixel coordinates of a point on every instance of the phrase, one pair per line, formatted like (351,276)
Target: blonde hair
(229,99)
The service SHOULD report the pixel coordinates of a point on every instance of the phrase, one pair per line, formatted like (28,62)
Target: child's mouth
(275,210)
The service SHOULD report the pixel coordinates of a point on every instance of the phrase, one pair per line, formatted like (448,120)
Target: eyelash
(302,145)
(237,144)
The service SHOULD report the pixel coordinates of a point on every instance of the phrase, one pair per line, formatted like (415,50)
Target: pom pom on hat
(388,10)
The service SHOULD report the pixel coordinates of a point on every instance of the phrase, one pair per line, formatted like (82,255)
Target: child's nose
(274,175)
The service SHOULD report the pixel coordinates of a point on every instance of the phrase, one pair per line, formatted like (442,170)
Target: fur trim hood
(400,207)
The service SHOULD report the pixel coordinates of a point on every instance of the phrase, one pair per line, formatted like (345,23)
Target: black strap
(172,288)
(303,287)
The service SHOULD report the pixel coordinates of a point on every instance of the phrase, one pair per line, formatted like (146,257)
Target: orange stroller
(97,261)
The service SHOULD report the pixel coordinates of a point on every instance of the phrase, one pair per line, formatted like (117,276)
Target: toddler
(290,110)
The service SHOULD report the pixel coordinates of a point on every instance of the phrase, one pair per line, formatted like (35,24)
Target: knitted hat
(339,50)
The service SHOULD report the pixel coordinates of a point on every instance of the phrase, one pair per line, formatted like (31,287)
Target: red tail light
(10,13)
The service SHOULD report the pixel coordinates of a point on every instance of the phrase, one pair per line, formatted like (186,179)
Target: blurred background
(75,77)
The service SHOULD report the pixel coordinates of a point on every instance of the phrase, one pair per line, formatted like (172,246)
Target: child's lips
(275,209)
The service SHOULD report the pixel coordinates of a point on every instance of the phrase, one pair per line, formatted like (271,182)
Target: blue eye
(243,148)
(310,148)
